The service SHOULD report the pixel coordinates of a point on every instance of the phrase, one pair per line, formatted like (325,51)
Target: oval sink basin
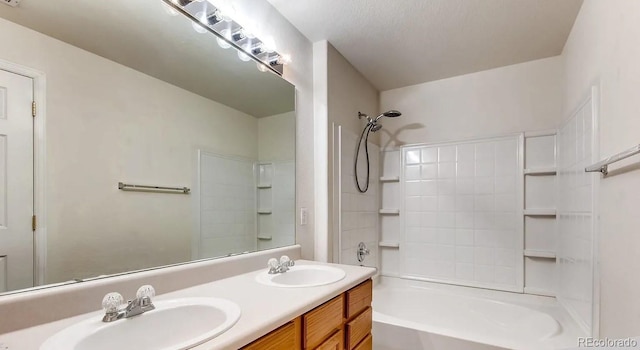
(302,276)
(174,324)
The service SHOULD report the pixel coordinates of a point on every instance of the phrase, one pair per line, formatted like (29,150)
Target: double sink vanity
(308,305)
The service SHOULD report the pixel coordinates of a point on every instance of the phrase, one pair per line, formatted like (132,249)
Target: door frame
(39,166)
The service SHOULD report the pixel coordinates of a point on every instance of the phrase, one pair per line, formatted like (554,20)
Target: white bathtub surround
(462,213)
(437,316)
(577,249)
(357,212)
(260,315)
(277,228)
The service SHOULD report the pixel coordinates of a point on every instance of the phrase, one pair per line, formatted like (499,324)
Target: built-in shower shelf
(264,238)
(532,253)
(389,211)
(390,179)
(264,211)
(264,186)
(541,171)
(389,244)
(540,212)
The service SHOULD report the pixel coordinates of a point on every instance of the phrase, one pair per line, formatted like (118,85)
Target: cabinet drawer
(322,321)
(358,328)
(336,342)
(366,344)
(283,338)
(359,298)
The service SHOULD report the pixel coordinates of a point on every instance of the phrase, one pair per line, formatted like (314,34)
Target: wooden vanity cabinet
(342,323)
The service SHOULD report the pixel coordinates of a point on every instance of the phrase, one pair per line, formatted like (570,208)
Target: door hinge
(33,223)
(33,109)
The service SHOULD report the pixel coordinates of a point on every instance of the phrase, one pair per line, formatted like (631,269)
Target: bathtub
(416,315)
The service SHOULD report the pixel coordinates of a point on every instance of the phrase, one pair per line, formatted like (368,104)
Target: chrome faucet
(362,251)
(280,267)
(112,304)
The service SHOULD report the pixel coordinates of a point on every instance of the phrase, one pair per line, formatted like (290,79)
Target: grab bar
(130,187)
(603,166)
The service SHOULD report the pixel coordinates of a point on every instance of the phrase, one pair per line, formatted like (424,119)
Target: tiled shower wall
(463,213)
(358,212)
(279,226)
(576,207)
(227,205)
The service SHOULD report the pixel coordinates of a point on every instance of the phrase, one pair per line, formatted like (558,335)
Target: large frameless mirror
(152,145)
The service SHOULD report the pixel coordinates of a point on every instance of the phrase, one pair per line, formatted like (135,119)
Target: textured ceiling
(404,42)
(139,34)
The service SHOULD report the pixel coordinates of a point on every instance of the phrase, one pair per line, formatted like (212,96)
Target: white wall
(348,92)
(526,96)
(108,123)
(603,47)
(277,137)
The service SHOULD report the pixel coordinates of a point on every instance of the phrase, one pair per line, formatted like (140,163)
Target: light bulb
(268,44)
(243,56)
(223,44)
(284,59)
(202,18)
(169,10)
(262,68)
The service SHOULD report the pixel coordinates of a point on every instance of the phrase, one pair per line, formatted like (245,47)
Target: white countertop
(264,308)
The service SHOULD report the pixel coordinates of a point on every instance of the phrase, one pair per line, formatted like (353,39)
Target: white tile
(412,188)
(484,273)
(413,204)
(446,219)
(505,275)
(484,185)
(484,202)
(447,236)
(465,202)
(464,254)
(505,185)
(506,203)
(464,220)
(412,156)
(446,203)
(447,170)
(505,257)
(446,187)
(429,171)
(429,219)
(464,237)
(430,155)
(412,219)
(412,172)
(466,169)
(466,153)
(447,154)
(485,151)
(485,167)
(483,256)
(429,203)
(465,186)
(464,271)
(484,220)
(429,187)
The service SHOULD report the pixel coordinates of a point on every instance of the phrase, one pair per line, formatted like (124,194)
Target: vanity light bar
(240,39)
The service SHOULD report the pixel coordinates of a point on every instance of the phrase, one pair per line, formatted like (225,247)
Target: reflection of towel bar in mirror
(130,187)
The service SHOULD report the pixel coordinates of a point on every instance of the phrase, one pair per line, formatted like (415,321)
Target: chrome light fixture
(208,18)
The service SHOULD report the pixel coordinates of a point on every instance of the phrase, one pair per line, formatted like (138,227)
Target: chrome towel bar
(603,165)
(130,187)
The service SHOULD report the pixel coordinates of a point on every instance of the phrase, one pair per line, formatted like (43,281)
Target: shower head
(375,127)
(389,114)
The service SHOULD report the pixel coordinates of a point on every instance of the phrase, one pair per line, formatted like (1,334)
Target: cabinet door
(336,342)
(322,321)
(366,344)
(359,298)
(359,328)
(286,337)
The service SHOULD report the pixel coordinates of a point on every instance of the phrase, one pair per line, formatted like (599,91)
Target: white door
(16,180)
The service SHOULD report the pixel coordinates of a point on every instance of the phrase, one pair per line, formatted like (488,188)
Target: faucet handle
(111,302)
(284,260)
(146,291)
(272,263)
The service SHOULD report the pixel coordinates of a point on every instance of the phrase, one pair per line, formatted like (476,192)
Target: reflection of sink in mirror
(301,276)
(174,324)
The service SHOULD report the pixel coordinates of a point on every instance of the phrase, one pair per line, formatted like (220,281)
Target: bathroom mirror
(130,95)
